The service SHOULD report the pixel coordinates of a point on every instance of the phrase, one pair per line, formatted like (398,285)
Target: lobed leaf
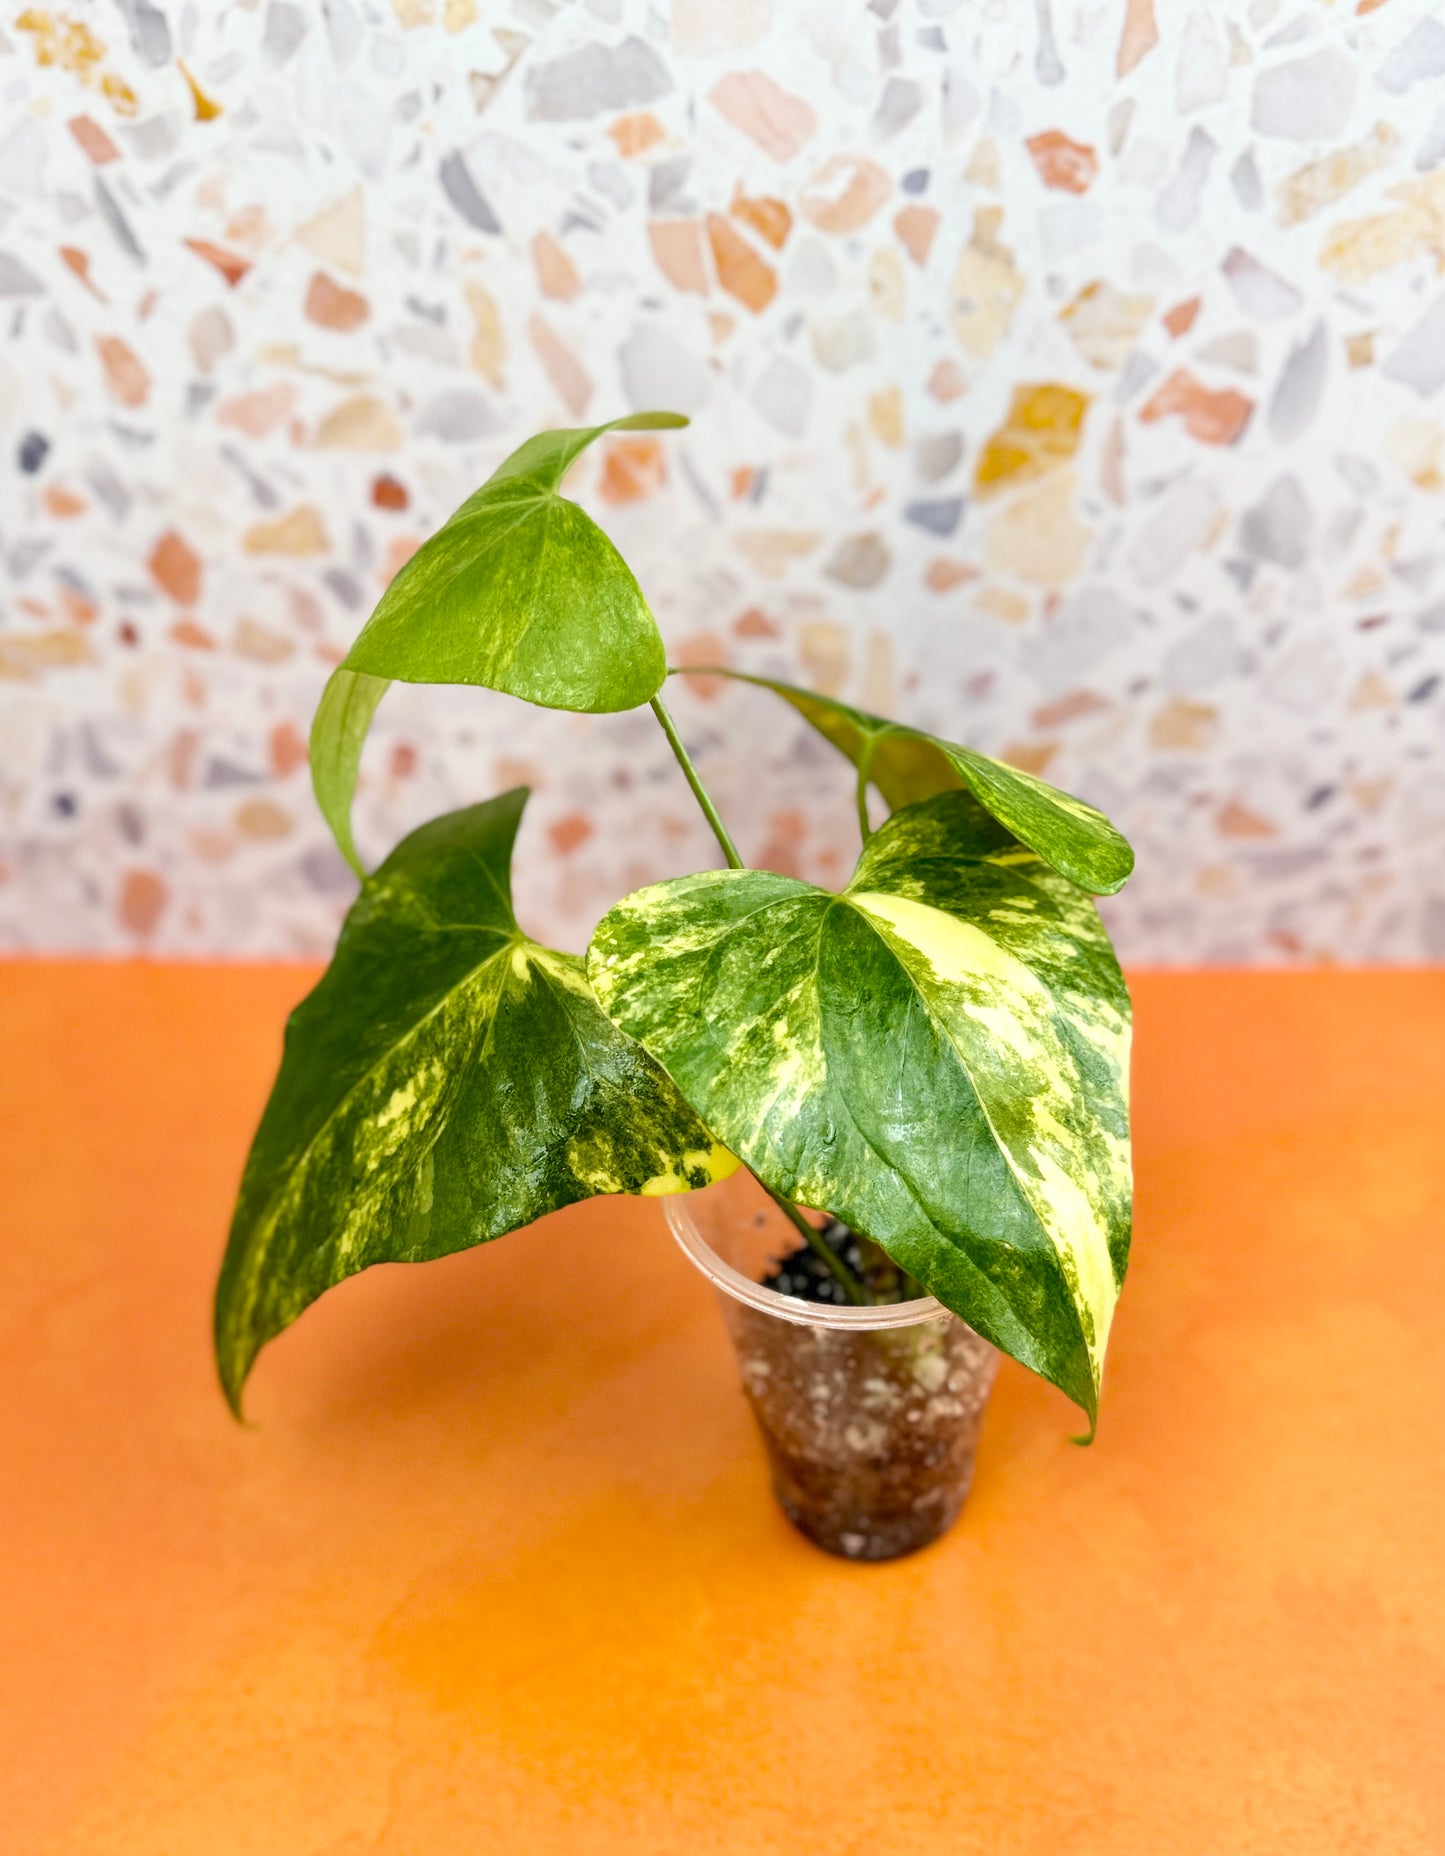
(520,591)
(449,1080)
(938,1056)
(907,765)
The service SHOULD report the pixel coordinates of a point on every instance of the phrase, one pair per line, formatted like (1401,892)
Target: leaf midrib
(531,506)
(1003,1146)
(916,994)
(915,997)
(526,507)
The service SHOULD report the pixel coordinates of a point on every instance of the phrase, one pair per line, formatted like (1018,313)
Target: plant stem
(865,829)
(852,1288)
(699,791)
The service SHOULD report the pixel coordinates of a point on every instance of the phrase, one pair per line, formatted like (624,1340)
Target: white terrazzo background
(1207,593)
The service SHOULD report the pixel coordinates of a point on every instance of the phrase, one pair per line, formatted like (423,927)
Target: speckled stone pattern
(1065,378)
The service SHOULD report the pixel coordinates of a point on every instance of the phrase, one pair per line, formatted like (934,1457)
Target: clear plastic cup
(870,1416)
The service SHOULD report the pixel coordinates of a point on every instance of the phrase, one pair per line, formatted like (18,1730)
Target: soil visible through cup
(870,1416)
(870,1435)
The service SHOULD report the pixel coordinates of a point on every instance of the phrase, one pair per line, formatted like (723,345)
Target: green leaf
(447,1081)
(907,765)
(338,734)
(938,1056)
(521,591)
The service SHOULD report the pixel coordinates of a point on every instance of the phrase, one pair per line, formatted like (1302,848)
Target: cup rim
(724,1277)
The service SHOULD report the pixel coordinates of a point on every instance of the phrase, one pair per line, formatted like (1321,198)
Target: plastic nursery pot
(870,1415)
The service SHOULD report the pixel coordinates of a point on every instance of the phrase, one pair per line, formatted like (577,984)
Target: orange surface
(497,1569)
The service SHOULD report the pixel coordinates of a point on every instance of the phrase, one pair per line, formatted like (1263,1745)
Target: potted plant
(891,1124)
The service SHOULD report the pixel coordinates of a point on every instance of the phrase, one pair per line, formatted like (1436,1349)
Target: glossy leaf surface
(521,591)
(338,734)
(907,765)
(938,1056)
(447,1081)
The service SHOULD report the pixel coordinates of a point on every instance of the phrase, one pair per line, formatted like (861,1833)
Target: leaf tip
(1090,1408)
(233,1344)
(233,1375)
(652,422)
(1123,862)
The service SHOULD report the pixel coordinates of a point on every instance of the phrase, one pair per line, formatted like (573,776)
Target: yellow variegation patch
(704,1166)
(939,1056)
(906,766)
(448,1081)
(996,1010)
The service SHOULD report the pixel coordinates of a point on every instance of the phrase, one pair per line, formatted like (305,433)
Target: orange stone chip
(143,897)
(635,134)
(79,261)
(93,139)
(572,829)
(768,217)
(780,123)
(262,819)
(755,623)
(1180,320)
(260,412)
(176,568)
(288,749)
(916,226)
(632,468)
(1237,821)
(331,306)
(300,531)
(740,271)
(1030,756)
(702,648)
(677,252)
(1183,724)
(1068,709)
(126,378)
(232,266)
(844,194)
(194,637)
(1139,36)
(1063,162)
(943,575)
(570,380)
(1214,418)
(556,273)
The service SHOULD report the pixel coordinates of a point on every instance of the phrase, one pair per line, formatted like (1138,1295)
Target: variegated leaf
(521,591)
(907,765)
(938,1056)
(518,591)
(447,1081)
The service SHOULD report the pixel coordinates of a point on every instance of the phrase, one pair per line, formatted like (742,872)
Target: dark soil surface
(803,1273)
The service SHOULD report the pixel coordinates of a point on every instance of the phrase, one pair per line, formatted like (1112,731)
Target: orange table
(497,1569)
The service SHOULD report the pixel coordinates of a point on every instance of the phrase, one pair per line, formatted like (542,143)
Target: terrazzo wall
(1065,377)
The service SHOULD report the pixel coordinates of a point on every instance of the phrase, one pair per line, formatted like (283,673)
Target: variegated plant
(938,1054)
